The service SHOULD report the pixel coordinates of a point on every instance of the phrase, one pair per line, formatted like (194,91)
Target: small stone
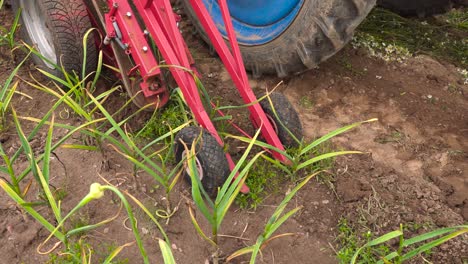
(174,247)
(106,230)
(325,201)
(144,231)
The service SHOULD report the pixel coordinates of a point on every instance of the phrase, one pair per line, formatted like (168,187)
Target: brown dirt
(415,170)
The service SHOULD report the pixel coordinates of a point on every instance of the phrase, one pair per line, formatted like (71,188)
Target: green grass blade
(433,244)
(85,40)
(167,135)
(131,217)
(55,78)
(121,133)
(387,258)
(334,134)
(13,29)
(7,99)
(198,228)
(98,69)
(197,187)
(49,195)
(256,250)
(272,228)
(13,195)
(9,170)
(86,228)
(150,171)
(227,184)
(240,252)
(102,96)
(177,172)
(298,141)
(10,78)
(115,252)
(260,144)
(48,151)
(377,241)
(279,210)
(325,156)
(81,129)
(277,164)
(80,147)
(150,215)
(72,103)
(4,170)
(38,54)
(384,238)
(42,121)
(430,235)
(59,142)
(25,145)
(234,189)
(166,252)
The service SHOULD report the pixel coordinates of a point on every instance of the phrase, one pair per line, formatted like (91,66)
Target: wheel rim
(253,12)
(38,31)
(251,24)
(197,162)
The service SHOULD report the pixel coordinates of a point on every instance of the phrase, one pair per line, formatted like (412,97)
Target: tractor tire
(420,8)
(212,164)
(319,29)
(56,29)
(284,118)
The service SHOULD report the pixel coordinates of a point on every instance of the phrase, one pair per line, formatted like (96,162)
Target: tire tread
(68,21)
(210,154)
(311,39)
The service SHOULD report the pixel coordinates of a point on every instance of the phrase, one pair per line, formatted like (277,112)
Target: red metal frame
(161,22)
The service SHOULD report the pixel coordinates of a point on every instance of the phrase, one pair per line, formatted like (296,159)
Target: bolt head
(145,49)
(129,14)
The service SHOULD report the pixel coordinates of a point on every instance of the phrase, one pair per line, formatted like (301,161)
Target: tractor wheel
(420,8)
(56,29)
(288,36)
(212,164)
(284,119)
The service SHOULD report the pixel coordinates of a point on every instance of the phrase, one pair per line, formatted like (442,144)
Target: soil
(414,170)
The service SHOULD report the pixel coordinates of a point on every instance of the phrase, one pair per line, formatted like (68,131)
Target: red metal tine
(161,24)
(133,37)
(170,42)
(235,66)
(158,17)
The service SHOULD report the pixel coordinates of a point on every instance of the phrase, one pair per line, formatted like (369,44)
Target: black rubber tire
(209,153)
(288,116)
(321,29)
(420,8)
(68,21)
